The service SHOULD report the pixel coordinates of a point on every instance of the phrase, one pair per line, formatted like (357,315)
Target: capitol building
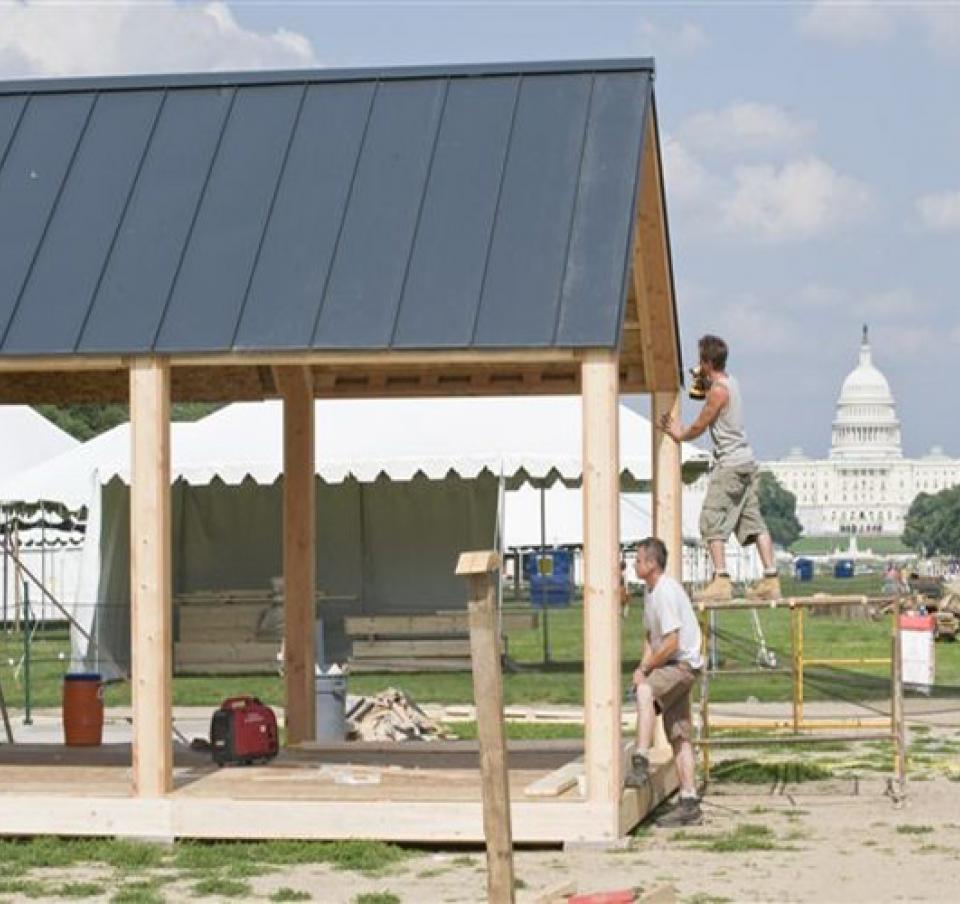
(865,485)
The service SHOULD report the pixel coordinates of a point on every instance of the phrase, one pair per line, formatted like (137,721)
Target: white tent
(28,438)
(403,486)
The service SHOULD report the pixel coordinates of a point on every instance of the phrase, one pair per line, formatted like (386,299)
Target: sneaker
(767,588)
(639,773)
(719,590)
(685,813)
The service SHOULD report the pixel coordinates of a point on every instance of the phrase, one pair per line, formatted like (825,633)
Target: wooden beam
(483,570)
(387,357)
(299,551)
(653,279)
(48,363)
(601,559)
(151,575)
(667,482)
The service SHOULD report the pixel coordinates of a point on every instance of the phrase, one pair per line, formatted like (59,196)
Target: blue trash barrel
(803,568)
(550,574)
(843,568)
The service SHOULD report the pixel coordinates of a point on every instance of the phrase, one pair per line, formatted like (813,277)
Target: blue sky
(811,157)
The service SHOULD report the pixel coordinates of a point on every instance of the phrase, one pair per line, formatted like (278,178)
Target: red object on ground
(625,896)
(82,710)
(243,731)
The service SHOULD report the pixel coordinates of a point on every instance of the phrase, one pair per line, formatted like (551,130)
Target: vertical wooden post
(151,602)
(488,695)
(601,578)
(667,483)
(898,723)
(299,552)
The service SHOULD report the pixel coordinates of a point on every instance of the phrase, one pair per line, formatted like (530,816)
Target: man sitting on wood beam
(732,504)
(667,671)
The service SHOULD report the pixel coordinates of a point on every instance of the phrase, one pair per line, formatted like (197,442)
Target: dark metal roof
(485,207)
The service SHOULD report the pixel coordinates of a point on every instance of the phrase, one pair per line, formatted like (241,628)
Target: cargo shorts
(671,685)
(732,505)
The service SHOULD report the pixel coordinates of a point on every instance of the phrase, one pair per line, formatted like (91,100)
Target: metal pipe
(26,654)
(817,724)
(795,739)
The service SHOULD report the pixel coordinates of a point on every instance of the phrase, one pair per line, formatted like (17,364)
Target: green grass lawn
(531,681)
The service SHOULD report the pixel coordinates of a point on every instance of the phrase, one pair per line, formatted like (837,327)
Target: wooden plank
(601,561)
(535,822)
(667,482)
(185,652)
(398,649)
(450,664)
(657,301)
(151,608)
(488,696)
(553,784)
(299,550)
(393,358)
(404,625)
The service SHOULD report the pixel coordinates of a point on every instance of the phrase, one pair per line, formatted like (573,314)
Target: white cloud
(686,179)
(129,36)
(876,22)
(803,199)
(848,23)
(658,39)
(940,212)
(745,126)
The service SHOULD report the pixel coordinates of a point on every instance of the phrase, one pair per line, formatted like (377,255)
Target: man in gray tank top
(732,503)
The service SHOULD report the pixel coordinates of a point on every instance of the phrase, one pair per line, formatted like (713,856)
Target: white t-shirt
(666,609)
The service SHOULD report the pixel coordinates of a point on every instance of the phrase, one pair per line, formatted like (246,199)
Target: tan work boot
(719,590)
(767,588)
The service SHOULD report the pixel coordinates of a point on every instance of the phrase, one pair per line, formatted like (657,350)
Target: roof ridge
(300,76)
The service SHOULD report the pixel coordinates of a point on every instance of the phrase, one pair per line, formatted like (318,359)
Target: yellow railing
(892,728)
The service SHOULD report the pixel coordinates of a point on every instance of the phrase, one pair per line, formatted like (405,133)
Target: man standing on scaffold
(732,504)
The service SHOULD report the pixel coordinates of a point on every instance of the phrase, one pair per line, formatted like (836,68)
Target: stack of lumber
(434,642)
(392,716)
(228,632)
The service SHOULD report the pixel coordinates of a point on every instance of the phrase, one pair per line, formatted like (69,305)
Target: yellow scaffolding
(892,728)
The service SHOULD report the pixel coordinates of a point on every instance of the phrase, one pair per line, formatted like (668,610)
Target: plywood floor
(443,771)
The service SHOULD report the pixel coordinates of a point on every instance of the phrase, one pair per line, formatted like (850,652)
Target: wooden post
(898,723)
(601,578)
(667,483)
(151,603)
(299,552)
(488,695)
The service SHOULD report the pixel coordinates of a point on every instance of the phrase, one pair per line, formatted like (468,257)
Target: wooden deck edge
(552,822)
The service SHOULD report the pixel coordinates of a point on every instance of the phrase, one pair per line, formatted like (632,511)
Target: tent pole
(151,614)
(299,551)
(601,587)
(544,601)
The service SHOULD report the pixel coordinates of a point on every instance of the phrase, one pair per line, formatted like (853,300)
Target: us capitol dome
(865,485)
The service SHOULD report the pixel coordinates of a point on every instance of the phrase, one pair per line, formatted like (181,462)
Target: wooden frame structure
(647,361)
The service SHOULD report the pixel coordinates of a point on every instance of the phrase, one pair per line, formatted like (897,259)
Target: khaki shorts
(671,685)
(732,505)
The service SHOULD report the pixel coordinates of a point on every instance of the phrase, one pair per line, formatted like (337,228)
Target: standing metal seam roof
(479,207)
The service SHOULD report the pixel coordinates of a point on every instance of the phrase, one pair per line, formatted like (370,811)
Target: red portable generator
(243,731)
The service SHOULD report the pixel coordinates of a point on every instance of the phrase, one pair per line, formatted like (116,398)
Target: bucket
(82,710)
(331,698)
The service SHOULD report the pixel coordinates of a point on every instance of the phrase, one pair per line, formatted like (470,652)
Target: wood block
(553,784)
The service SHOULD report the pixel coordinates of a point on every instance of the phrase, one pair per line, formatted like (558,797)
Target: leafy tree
(84,422)
(779,509)
(933,523)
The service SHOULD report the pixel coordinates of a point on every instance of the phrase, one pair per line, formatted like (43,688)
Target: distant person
(732,504)
(667,671)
